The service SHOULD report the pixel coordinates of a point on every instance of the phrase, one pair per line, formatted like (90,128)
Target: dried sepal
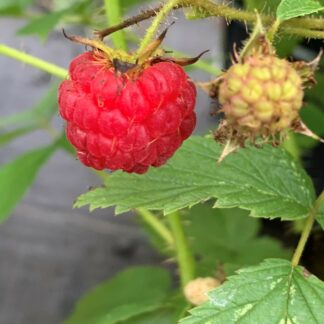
(301,128)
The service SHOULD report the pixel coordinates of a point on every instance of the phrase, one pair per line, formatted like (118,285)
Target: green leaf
(14,7)
(169,313)
(19,3)
(265,181)
(130,293)
(16,176)
(37,116)
(42,25)
(216,238)
(7,137)
(270,293)
(288,9)
(159,316)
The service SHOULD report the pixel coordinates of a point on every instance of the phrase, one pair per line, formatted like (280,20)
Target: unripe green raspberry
(262,94)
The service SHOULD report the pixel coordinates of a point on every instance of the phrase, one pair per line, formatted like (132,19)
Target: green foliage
(251,179)
(14,7)
(263,6)
(129,294)
(288,9)
(7,137)
(313,117)
(227,237)
(35,117)
(129,4)
(320,216)
(270,293)
(170,312)
(113,13)
(16,176)
(312,112)
(44,24)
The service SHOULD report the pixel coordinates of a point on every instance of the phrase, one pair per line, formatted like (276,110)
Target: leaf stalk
(160,16)
(184,255)
(34,61)
(306,231)
(152,220)
(312,27)
(113,14)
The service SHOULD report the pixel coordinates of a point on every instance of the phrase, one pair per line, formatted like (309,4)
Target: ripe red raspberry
(117,121)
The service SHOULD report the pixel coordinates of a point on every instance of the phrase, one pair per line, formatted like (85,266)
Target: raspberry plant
(129,111)
(126,112)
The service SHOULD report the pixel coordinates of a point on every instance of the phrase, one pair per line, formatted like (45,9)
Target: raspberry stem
(152,220)
(312,27)
(34,61)
(273,29)
(155,24)
(113,13)
(307,230)
(185,258)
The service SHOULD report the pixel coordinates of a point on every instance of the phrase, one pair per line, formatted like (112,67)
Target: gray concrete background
(50,254)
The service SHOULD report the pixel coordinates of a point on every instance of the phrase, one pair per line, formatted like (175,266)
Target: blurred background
(50,253)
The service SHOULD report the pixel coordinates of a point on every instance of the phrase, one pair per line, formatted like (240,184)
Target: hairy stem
(312,27)
(185,258)
(291,26)
(113,14)
(160,16)
(34,61)
(306,231)
(307,33)
(145,14)
(273,29)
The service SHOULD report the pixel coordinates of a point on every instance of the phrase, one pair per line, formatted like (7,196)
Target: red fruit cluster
(117,122)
